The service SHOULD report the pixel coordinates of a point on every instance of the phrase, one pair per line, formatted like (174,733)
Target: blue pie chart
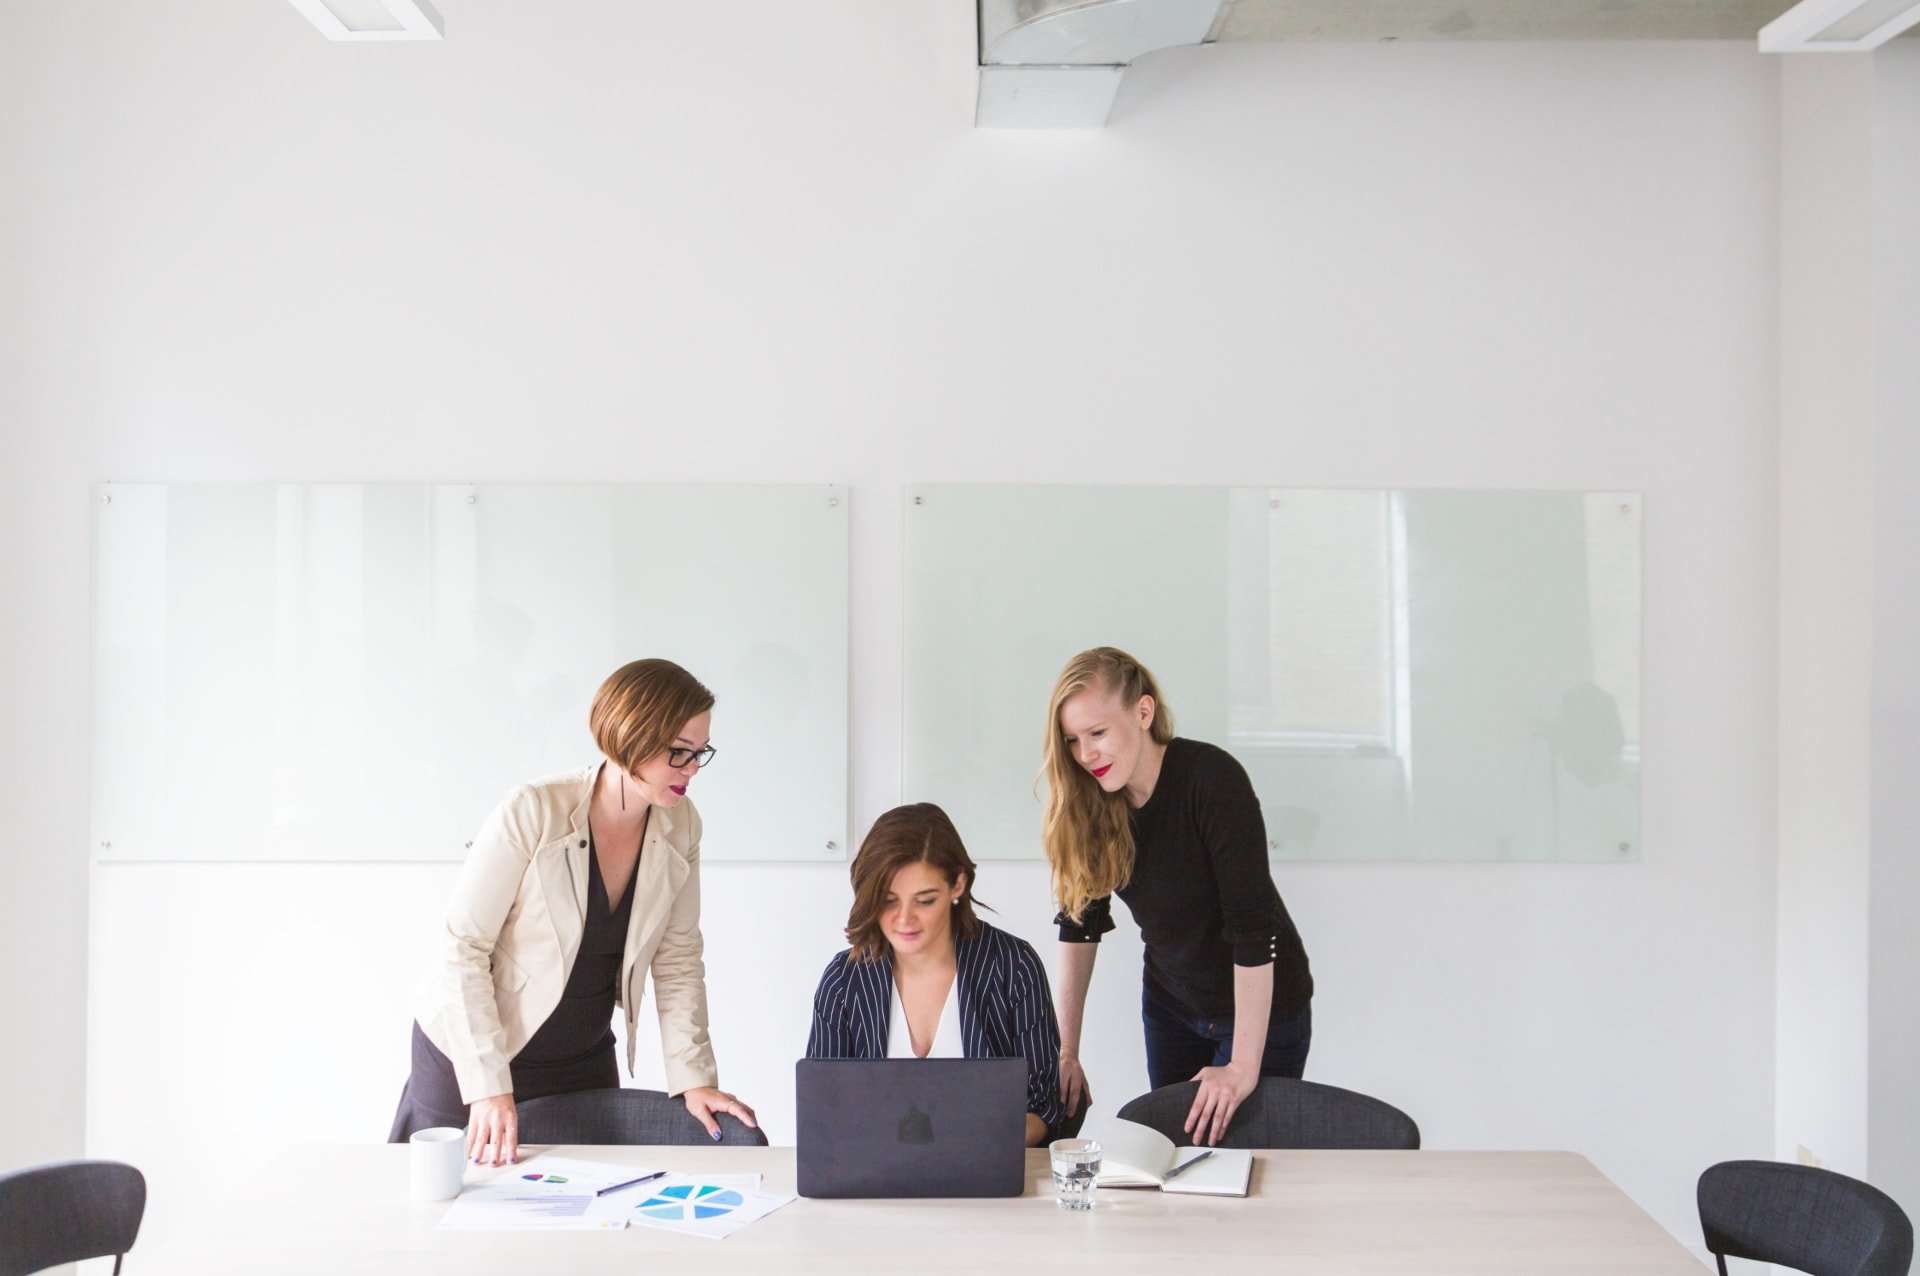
(685,1201)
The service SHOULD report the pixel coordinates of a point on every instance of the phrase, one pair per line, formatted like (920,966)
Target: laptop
(912,1127)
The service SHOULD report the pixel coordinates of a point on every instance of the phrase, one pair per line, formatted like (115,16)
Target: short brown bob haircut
(916,834)
(640,709)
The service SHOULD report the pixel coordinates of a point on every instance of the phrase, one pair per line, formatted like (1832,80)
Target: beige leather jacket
(514,927)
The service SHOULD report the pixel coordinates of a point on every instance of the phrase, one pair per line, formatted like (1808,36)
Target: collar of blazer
(564,862)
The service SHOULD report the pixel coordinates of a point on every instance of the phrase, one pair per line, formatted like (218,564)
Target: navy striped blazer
(1006,1012)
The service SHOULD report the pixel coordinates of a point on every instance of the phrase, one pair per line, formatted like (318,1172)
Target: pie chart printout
(685,1201)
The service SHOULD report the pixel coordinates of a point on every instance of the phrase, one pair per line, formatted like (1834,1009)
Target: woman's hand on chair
(493,1130)
(1222,1090)
(705,1101)
(1073,1082)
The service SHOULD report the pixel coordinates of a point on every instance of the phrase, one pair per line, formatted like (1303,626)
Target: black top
(582,1024)
(1201,890)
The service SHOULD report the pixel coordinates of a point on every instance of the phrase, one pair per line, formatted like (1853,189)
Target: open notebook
(1132,1155)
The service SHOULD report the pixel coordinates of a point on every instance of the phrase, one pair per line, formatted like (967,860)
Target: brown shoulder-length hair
(641,707)
(916,834)
(1085,831)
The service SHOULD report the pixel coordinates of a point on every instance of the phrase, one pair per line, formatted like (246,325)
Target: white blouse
(946,1038)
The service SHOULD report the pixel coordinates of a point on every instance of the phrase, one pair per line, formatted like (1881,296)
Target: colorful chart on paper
(685,1201)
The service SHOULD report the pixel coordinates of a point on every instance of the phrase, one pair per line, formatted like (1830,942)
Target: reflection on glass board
(362,672)
(1405,675)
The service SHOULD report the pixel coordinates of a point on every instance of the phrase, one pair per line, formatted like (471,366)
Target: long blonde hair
(1088,840)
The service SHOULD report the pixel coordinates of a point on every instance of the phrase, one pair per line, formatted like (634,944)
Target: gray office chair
(1285,1114)
(623,1116)
(67,1212)
(1810,1220)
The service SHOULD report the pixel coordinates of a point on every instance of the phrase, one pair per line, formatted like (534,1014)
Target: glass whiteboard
(334,672)
(1405,675)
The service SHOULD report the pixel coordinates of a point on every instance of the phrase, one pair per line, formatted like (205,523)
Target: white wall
(1849,606)
(1894,913)
(1825,604)
(754,241)
(43,659)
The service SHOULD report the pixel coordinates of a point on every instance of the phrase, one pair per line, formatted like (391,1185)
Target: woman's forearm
(1252,1007)
(1076,973)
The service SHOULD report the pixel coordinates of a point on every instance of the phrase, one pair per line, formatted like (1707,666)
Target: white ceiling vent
(372,19)
(1058,63)
(1838,26)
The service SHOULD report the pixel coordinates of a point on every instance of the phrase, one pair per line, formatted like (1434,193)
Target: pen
(646,1178)
(1184,1166)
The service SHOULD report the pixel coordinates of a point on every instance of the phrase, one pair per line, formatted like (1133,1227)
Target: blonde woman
(576,889)
(1171,826)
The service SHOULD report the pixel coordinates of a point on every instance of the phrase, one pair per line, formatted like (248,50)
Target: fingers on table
(493,1140)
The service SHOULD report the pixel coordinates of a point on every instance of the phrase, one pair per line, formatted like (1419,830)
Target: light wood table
(345,1210)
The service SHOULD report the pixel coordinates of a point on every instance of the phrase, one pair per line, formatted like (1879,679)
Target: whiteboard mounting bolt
(106,498)
(833,846)
(1625,847)
(106,846)
(919,500)
(833,502)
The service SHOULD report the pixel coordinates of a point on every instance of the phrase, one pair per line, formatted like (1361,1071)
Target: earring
(623,790)
(956,901)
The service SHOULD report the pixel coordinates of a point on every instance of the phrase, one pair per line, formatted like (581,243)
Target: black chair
(1285,1114)
(1810,1220)
(623,1116)
(67,1212)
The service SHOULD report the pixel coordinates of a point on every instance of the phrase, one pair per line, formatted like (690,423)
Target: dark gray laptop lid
(911,1127)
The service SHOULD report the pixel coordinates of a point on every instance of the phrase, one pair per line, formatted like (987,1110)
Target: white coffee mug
(439,1161)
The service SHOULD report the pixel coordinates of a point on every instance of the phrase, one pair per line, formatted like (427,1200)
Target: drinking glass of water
(1076,1164)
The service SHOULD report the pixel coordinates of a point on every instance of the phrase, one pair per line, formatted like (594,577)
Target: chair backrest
(1285,1114)
(1796,1216)
(623,1116)
(68,1211)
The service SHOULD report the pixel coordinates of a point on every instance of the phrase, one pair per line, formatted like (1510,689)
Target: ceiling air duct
(1057,63)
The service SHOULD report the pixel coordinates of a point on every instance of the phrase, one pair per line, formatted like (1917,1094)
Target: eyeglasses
(678,758)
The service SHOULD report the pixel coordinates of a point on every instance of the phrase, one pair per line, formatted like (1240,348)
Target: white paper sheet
(548,1193)
(713,1206)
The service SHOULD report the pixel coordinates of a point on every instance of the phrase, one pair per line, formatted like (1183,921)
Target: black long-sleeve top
(1201,890)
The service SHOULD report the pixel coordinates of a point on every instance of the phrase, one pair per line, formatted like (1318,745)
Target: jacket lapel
(657,878)
(966,960)
(877,987)
(562,866)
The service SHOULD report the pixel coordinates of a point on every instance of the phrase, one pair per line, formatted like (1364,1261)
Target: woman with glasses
(1173,827)
(577,888)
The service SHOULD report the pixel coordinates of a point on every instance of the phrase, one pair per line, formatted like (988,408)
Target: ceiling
(1496,19)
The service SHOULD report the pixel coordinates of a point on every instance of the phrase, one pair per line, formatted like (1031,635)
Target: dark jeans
(1180,1043)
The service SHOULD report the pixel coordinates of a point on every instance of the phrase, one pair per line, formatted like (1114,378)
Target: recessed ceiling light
(1838,26)
(372,19)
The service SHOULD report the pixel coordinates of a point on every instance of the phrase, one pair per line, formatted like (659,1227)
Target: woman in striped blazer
(925,978)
